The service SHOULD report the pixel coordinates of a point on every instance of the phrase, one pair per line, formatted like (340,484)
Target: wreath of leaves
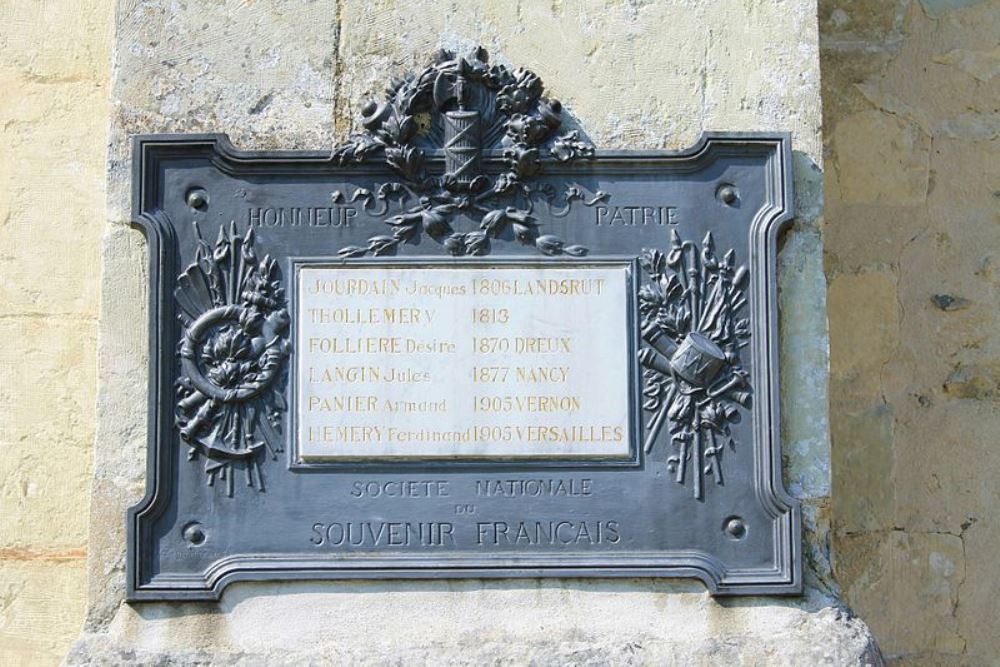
(530,122)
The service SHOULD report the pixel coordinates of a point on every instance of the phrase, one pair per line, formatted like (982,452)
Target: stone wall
(910,231)
(912,250)
(54,65)
(637,75)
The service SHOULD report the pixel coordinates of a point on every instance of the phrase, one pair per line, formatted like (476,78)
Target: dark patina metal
(466,163)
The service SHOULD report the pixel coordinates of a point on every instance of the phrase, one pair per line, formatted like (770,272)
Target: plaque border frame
(208,585)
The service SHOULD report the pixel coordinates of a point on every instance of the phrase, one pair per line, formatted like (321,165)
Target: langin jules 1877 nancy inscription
(463,343)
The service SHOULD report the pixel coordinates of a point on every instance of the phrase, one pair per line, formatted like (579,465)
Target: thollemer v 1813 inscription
(464,343)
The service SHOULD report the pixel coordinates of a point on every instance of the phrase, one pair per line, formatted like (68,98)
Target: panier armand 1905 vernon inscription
(463,344)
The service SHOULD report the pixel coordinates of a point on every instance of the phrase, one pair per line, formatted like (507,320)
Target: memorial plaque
(464,343)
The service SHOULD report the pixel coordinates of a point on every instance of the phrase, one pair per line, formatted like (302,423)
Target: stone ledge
(481,622)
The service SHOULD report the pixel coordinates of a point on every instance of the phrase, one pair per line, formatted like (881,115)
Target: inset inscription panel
(493,361)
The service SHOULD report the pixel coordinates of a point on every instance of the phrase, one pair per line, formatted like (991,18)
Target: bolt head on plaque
(735,528)
(728,194)
(197,199)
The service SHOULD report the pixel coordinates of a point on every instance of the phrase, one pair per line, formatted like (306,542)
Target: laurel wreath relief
(465,104)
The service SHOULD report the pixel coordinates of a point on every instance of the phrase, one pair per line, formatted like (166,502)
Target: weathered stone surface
(844,22)
(936,8)
(864,460)
(51,192)
(294,76)
(42,600)
(479,622)
(980,544)
(862,563)
(863,335)
(54,64)
(983,65)
(882,160)
(804,354)
(934,566)
(911,237)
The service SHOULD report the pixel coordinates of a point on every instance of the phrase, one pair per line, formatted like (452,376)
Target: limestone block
(50,185)
(864,569)
(881,159)
(41,604)
(864,330)
(908,583)
(120,438)
(54,59)
(56,42)
(936,8)
(857,20)
(941,453)
(863,500)
(843,69)
(629,81)
(943,89)
(983,65)
(929,568)
(804,362)
(981,542)
(873,240)
(482,622)
(46,397)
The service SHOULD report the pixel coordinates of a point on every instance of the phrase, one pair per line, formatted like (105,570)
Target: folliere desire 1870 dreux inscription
(463,343)
(497,361)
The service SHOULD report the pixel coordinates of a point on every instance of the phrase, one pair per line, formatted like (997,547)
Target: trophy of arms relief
(693,376)
(233,353)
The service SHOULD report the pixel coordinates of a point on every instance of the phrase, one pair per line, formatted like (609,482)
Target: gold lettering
(543,373)
(342,404)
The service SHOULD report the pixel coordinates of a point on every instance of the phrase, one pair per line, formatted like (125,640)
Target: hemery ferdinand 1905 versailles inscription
(464,343)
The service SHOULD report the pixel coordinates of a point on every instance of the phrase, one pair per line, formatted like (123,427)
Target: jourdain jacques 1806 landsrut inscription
(463,343)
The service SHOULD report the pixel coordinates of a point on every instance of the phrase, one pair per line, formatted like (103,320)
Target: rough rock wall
(54,66)
(291,74)
(912,236)
(638,75)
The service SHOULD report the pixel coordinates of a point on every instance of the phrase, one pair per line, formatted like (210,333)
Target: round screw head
(194,533)
(197,199)
(727,194)
(735,528)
